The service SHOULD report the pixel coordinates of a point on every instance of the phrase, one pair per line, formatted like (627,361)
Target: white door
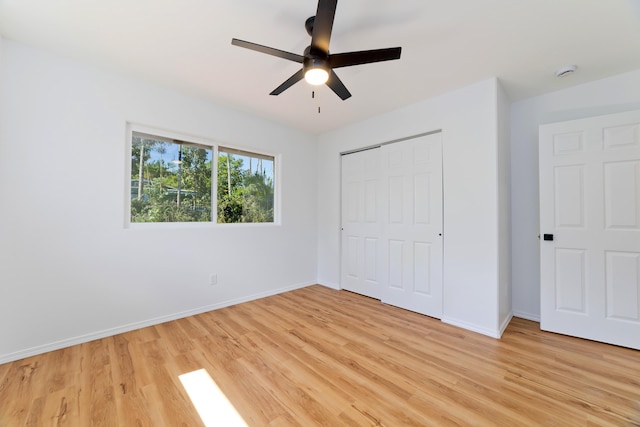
(590,228)
(412,217)
(360,266)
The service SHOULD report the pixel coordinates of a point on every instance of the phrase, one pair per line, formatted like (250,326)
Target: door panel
(360,266)
(396,264)
(622,195)
(570,272)
(371,259)
(569,196)
(590,203)
(421,267)
(623,285)
(412,253)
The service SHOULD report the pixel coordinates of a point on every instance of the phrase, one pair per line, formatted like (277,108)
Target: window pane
(170,181)
(245,187)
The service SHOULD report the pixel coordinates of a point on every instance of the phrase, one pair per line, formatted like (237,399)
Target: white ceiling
(446,44)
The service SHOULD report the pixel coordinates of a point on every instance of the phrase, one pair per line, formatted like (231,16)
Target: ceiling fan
(317,63)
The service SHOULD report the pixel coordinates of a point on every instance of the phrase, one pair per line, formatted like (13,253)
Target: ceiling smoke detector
(566,70)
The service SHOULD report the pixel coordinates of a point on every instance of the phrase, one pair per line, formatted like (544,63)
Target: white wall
(1,66)
(611,95)
(70,270)
(468,119)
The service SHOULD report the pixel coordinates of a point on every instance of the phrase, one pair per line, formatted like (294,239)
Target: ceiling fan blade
(322,25)
(268,50)
(364,57)
(337,86)
(288,83)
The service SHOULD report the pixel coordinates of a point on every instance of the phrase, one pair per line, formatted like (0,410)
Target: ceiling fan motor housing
(315,59)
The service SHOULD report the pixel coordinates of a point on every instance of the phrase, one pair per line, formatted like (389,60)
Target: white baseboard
(527,316)
(505,323)
(329,285)
(471,327)
(57,345)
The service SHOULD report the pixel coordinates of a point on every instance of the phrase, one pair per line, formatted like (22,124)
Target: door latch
(548,237)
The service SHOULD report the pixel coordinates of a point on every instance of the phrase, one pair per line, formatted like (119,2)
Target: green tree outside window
(171,181)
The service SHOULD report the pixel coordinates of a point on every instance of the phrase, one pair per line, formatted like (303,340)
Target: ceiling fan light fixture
(316,76)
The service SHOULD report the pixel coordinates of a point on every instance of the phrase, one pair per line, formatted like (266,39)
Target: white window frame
(173,137)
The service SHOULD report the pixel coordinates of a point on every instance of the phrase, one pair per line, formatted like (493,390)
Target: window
(173,181)
(245,186)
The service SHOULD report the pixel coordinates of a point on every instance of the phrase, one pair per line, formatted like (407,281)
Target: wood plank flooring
(316,356)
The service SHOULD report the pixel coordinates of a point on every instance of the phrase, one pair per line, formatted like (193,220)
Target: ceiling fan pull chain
(313,95)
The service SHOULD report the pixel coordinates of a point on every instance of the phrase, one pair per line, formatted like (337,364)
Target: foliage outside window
(172,181)
(245,187)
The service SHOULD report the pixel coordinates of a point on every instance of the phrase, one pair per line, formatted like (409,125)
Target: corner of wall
(504,206)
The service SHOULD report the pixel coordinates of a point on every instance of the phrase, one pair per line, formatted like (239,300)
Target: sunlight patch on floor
(212,405)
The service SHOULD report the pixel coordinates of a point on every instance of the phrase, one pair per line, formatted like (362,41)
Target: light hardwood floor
(316,356)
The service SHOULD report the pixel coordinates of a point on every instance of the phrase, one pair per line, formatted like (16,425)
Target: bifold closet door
(392,224)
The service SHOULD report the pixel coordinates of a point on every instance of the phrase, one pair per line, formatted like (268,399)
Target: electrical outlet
(213,279)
